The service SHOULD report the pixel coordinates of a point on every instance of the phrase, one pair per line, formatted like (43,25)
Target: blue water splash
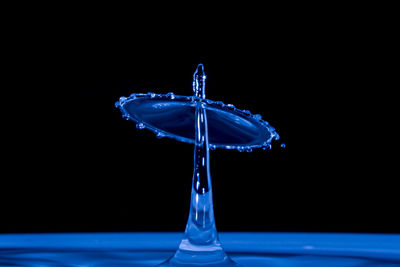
(214,125)
(171,102)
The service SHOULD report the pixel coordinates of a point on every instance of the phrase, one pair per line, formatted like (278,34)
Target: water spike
(200,230)
(199,82)
(140,126)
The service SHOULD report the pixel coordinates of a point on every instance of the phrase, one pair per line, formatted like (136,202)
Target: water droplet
(212,147)
(125,116)
(171,95)
(160,135)
(122,100)
(240,149)
(257,117)
(246,112)
(140,126)
(249,149)
(266,147)
(151,94)
(283,145)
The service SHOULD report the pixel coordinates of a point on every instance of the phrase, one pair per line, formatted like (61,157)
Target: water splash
(200,242)
(124,103)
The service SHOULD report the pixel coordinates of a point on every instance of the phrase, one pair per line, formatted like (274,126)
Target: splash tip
(200,71)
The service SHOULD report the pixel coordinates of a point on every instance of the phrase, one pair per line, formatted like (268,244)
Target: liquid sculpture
(209,125)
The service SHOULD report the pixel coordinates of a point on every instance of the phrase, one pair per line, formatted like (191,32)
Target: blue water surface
(247,249)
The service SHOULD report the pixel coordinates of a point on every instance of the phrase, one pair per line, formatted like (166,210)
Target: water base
(200,258)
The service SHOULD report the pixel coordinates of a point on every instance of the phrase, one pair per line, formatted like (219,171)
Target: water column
(200,244)
(201,237)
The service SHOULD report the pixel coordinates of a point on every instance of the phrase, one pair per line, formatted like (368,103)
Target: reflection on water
(102,257)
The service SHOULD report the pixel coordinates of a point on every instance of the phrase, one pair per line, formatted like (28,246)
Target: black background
(74,165)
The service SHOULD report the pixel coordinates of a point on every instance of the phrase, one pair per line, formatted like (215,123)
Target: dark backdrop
(73,164)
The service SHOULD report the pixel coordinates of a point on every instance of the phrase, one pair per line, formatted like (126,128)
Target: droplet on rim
(151,94)
(122,100)
(160,135)
(267,147)
(257,117)
(140,126)
(171,95)
(240,149)
(212,147)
